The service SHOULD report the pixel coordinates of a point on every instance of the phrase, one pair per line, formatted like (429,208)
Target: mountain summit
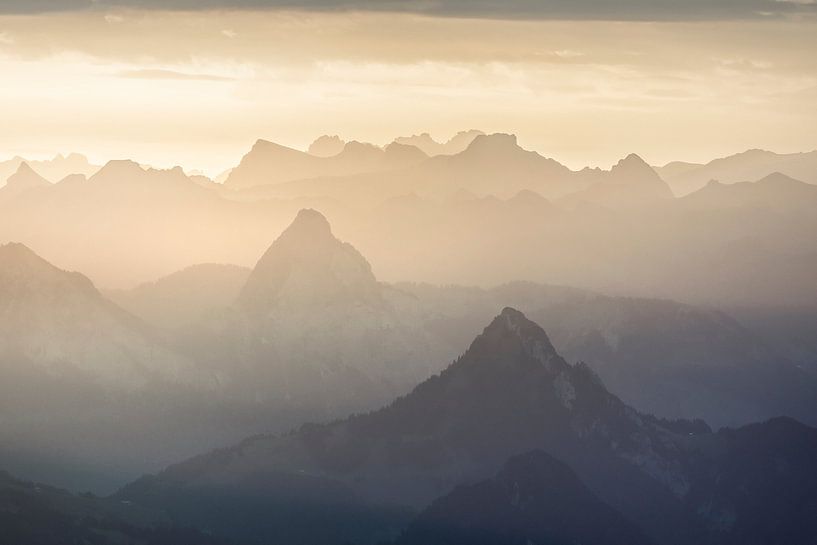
(21,181)
(307,265)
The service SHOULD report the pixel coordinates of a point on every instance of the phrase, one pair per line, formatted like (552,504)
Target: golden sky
(197,88)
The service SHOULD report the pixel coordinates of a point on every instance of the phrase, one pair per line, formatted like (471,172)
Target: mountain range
(363,477)
(617,231)
(53,170)
(750,165)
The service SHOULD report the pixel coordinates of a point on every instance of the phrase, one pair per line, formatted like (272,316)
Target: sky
(584,81)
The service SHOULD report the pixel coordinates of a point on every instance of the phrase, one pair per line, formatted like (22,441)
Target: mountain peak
(512,340)
(494,142)
(119,168)
(632,161)
(307,265)
(309,223)
(326,146)
(26,178)
(16,251)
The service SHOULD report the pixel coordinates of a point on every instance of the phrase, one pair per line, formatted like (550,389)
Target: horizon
(213,174)
(584,86)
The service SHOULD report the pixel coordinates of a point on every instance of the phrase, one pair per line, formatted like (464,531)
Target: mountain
(509,393)
(21,181)
(490,165)
(533,499)
(54,318)
(53,170)
(38,514)
(183,297)
(317,322)
(631,182)
(306,265)
(456,144)
(80,375)
(661,357)
(268,164)
(155,222)
(775,192)
(326,146)
(750,165)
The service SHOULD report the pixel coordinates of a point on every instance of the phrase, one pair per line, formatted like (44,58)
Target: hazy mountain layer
(684,178)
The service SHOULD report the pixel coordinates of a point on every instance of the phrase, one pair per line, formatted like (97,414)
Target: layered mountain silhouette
(751,165)
(326,146)
(58,320)
(268,163)
(184,297)
(631,182)
(509,393)
(776,192)
(36,513)
(456,144)
(533,499)
(24,179)
(491,165)
(53,170)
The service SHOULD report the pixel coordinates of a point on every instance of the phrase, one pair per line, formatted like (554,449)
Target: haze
(376,272)
(683,87)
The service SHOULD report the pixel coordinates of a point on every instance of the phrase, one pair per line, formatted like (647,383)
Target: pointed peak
(26,177)
(307,266)
(632,161)
(514,321)
(25,168)
(309,222)
(512,324)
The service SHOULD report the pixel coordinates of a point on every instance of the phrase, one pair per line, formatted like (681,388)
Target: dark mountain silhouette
(533,499)
(661,357)
(509,393)
(38,514)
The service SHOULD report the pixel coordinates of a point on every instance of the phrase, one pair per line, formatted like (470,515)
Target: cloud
(170,74)
(624,10)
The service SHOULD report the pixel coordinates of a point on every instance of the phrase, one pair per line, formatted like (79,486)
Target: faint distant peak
(431,147)
(25,178)
(494,143)
(118,168)
(326,146)
(355,147)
